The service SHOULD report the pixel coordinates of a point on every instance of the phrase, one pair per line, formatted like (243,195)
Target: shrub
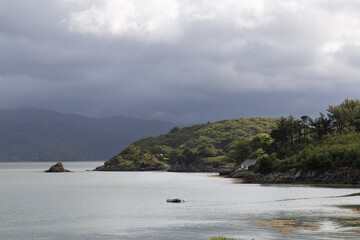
(266,164)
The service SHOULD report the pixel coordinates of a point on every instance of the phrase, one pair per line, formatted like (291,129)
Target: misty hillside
(41,135)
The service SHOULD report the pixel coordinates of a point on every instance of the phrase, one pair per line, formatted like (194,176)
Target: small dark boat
(174,200)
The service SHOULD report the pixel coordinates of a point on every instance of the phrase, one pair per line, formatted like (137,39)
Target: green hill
(327,142)
(202,147)
(220,134)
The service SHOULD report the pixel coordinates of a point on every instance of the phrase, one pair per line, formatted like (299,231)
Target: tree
(321,126)
(283,135)
(265,164)
(130,151)
(174,156)
(304,125)
(357,125)
(253,147)
(261,141)
(207,151)
(161,150)
(242,150)
(174,130)
(344,114)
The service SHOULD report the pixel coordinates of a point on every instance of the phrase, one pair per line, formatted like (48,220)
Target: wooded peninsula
(326,144)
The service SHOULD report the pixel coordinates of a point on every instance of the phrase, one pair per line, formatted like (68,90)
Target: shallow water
(132,205)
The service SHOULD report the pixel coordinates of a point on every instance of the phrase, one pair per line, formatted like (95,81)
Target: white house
(248,162)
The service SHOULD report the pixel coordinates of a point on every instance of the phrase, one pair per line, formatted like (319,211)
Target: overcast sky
(179,60)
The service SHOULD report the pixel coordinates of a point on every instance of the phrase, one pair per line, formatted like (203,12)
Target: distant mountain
(42,135)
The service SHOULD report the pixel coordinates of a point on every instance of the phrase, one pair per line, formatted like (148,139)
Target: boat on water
(175,200)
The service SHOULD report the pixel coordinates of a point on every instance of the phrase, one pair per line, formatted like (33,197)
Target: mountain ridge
(43,135)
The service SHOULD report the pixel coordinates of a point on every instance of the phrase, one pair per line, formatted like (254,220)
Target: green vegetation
(133,158)
(328,142)
(208,144)
(220,134)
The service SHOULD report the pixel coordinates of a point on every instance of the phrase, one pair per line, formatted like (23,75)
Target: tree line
(291,136)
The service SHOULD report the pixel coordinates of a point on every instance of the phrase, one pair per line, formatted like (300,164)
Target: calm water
(131,205)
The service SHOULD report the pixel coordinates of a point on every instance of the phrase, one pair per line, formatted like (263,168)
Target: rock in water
(57,168)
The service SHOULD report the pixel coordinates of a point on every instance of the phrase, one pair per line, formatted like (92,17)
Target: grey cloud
(211,72)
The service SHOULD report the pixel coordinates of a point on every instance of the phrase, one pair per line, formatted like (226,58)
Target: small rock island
(58,167)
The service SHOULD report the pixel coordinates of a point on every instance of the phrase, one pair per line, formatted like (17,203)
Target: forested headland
(329,141)
(202,147)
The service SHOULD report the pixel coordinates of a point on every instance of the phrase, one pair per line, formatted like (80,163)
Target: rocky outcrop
(178,167)
(192,167)
(158,167)
(334,176)
(226,171)
(58,167)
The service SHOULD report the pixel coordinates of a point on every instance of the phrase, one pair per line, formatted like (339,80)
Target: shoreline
(332,177)
(340,185)
(342,177)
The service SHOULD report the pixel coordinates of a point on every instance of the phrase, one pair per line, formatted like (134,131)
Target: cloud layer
(184,61)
